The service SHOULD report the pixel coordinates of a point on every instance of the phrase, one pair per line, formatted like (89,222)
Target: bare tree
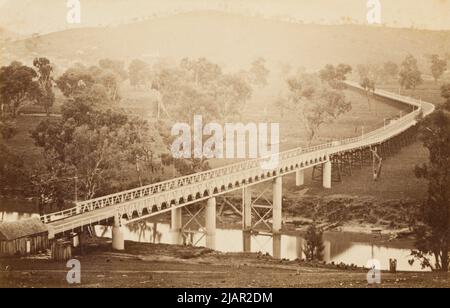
(315,102)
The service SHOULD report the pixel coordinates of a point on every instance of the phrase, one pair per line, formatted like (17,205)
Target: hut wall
(61,250)
(19,246)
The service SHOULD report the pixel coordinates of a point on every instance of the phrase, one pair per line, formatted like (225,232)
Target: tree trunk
(138,170)
(368,100)
(41,206)
(311,138)
(445,259)
(14,112)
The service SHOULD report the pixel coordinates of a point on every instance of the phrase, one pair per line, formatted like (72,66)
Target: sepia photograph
(224,151)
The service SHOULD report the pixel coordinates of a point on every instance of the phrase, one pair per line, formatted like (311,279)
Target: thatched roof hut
(23,228)
(23,237)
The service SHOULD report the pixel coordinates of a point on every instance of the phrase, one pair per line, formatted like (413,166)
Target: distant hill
(234,41)
(7,35)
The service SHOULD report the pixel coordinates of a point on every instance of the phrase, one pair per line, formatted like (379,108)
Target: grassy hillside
(6,36)
(235,41)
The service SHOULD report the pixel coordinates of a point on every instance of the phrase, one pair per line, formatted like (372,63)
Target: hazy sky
(28,16)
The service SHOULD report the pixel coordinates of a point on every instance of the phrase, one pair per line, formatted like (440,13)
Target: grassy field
(398,180)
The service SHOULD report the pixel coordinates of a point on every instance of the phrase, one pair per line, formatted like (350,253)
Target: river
(346,248)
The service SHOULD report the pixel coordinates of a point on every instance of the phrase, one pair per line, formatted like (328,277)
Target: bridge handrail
(151,189)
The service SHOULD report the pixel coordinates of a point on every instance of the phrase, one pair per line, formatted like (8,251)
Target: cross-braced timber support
(343,164)
(183,233)
(257,214)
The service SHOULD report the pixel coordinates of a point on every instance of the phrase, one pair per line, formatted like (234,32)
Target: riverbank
(155,266)
(366,215)
(336,214)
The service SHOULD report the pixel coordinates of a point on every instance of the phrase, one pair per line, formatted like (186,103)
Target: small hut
(25,237)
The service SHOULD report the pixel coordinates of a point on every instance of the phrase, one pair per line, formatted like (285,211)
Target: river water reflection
(15,216)
(338,247)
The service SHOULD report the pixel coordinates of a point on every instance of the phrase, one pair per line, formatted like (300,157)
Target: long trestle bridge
(332,160)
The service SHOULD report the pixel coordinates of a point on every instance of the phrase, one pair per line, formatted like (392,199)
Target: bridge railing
(152,189)
(59,215)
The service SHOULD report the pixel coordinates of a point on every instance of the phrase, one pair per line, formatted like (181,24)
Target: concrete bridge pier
(210,223)
(300,178)
(327,251)
(276,246)
(246,209)
(118,239)
(176,226)
(247,241)
(327,175)
(277,204)
(300,247)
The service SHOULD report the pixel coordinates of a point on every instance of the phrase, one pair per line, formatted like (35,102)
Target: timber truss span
(140,203)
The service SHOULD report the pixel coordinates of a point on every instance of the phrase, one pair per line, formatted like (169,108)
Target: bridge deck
(158,198)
